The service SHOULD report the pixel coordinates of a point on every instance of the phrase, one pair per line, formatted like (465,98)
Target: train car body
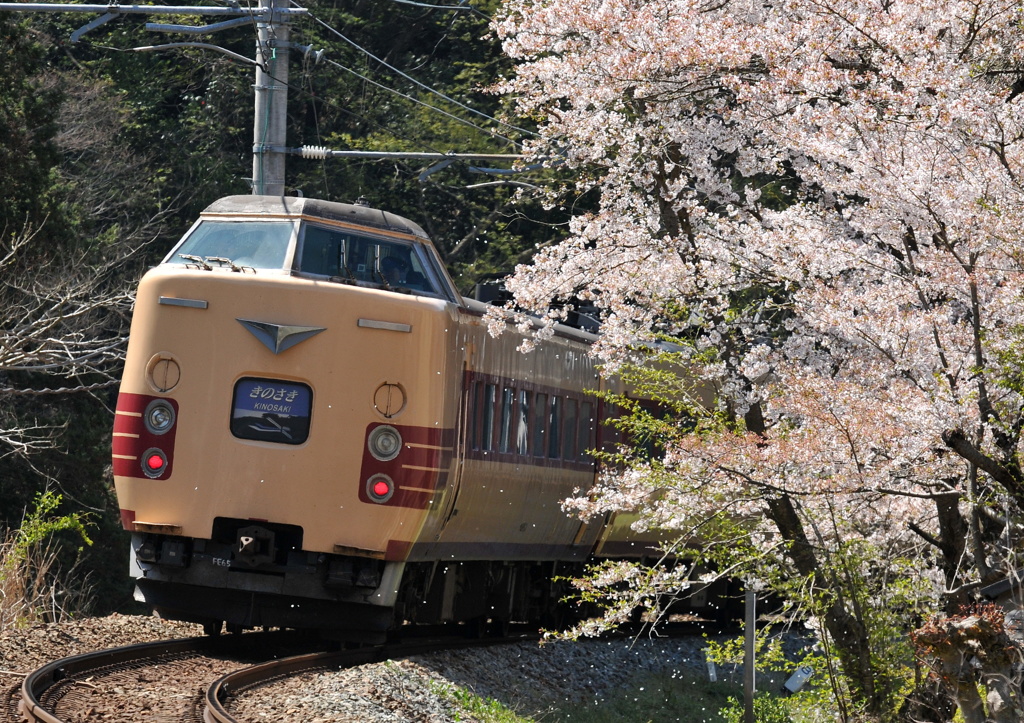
(314,429)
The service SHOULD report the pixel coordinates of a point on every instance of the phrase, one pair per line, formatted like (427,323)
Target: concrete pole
(270,126)
(749,676)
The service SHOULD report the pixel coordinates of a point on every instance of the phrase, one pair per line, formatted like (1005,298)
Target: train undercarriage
(249,581)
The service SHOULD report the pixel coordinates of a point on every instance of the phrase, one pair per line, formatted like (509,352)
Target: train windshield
(239,244)
(352,258)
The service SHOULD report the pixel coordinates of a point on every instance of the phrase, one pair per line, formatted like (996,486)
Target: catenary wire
(408,77)
(420,102)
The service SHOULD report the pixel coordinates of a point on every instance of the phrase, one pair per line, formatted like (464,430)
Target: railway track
(193,680)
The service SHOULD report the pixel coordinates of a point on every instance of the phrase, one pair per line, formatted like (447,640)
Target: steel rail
(37,683)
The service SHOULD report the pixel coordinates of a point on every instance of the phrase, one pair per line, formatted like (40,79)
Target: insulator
(315,152)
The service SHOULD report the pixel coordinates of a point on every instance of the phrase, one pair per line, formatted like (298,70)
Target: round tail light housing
(159,416)
(380,488)
(384,442)
(154,462)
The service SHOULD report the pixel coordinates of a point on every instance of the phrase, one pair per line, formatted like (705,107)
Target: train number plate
(268,410)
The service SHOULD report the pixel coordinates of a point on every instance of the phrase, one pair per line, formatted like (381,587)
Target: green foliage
(33,584)
(476,708)
(40,524)
(815,701)
(28,153)
(856,577)
(661,698)
(768,708)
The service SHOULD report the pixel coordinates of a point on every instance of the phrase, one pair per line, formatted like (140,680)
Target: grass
(661,698)
(34,586)
(484,710)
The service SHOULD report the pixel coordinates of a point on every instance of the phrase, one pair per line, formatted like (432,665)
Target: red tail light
(380,487)
(154,462)
(145,428)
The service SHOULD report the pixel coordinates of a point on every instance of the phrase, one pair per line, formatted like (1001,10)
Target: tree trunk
(847,631)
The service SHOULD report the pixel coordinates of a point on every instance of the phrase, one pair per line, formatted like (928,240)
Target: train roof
(314,208)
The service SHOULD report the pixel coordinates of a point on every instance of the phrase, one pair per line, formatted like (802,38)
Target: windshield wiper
(224,261)
(349,277)
(199,261)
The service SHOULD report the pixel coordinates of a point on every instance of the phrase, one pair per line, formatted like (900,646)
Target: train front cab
(283,430)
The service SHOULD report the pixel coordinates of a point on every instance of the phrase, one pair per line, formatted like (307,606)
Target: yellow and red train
(315,429)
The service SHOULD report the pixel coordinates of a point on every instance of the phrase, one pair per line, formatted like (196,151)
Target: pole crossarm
(198,29)
(204,46)
(318,152)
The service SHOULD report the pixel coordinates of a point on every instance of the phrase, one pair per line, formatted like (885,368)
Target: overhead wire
(463,5)
(414,81)
(267,67)
(460,6)
(352,113)
(456,118)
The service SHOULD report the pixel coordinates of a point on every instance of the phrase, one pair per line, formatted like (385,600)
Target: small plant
(33,586)
(484,710)
(767,709)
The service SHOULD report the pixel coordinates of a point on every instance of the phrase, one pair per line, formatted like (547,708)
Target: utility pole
(749,662)
(270,129)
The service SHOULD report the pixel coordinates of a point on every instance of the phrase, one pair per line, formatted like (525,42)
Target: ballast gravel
(528,678)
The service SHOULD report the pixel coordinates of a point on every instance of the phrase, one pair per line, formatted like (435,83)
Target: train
(314,429)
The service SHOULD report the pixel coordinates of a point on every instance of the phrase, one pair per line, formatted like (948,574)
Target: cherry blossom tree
(820,204)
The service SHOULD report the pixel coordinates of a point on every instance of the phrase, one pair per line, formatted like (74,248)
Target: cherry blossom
(820,204)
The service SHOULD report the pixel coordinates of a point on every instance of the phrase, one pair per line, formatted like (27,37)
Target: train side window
(540,410)
(569,430)
(507,412)
(522,423)
(478,415)
(586,431)
(483,423)
(554,428)
(489,402)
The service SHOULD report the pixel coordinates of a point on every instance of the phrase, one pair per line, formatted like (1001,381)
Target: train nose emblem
(279,337)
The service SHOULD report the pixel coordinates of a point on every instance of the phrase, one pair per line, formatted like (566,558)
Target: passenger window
(507,403)
(540,424)
(490,399)
(553,427)
(569,431)
(586,431)
(522,425)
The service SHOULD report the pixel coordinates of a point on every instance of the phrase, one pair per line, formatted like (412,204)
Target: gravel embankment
(528,678)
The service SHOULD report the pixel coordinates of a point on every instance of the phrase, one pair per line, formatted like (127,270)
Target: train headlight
(154,462)
(385,443)
(159,416)
(379,488)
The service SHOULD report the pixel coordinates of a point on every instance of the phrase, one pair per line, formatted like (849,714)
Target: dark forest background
(107,155)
